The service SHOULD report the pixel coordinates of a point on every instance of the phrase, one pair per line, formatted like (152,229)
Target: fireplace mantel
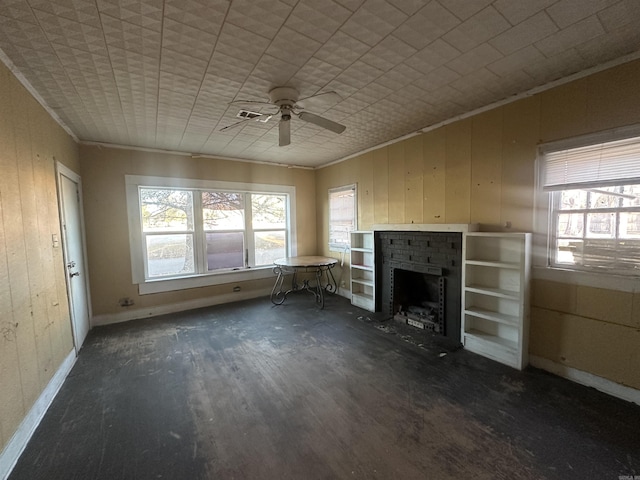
(426,227)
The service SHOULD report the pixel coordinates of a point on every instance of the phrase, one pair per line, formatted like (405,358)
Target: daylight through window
(194,231)
(595,206)
(342,215)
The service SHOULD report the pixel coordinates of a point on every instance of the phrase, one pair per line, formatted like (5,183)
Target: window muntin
(194,231)
(597,229)
(342,215)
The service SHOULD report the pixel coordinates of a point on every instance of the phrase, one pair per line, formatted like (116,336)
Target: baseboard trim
(12,451)
(139,313)
(588,379)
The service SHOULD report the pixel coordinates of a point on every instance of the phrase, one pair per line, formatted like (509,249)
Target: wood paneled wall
(35,327)
(103,175)
(482,170)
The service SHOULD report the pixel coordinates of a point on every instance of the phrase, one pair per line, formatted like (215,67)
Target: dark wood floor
(253,391)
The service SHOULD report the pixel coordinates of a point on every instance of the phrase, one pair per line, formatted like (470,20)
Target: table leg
(278,297)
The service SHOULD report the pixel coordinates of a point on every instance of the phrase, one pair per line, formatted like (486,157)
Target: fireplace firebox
(419,279)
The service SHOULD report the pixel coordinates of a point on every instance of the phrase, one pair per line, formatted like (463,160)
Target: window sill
(606,281)
(207,280)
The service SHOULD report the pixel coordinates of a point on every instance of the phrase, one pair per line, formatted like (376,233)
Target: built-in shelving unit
(495,303)
(363,289)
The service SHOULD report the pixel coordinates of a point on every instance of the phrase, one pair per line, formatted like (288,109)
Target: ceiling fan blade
(321,122)
(228,127)
(249,102)
(324,97)
(284,132)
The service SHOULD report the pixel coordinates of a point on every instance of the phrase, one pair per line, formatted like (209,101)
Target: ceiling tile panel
(464,9)
(342,50)
(620,15)
(517,61)
(429,23)
(60,30)
(551,68)
(205,15)
(568,12)
(79,11)
(526,33)
(274,70)
(374,21)
(82,60)
(318,19)
(431,57)
(232,68)
(187,40)
(436,79)
(516,12)
(570,37)
(475,59)
(162,73)
(130,37)
(293,47)
(187,67)
(240,43)
(483,26)
(397,78)
(388,53)
(144,13)
(315,72)
(259,16)
(17,10)
(407,6)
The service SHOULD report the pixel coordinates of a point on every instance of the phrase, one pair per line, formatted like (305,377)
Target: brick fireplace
(419,276)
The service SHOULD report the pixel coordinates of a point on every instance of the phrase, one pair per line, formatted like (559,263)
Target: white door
(73,241)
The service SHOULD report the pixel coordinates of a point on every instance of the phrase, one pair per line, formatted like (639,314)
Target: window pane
(166,210)
(630,195)
(170,255)
(342,215)
(268,211)
(630,225)
(604,197)
(570,225)
(573,199)
(569,252)
(225,250)
(222,211)
(601,225)
(269,247)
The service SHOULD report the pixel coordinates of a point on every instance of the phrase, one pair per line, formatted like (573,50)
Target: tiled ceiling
(160,73)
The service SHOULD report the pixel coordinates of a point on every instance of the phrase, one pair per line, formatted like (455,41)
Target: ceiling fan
(285,99)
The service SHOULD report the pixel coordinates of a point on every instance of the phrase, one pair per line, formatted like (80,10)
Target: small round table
(310,263)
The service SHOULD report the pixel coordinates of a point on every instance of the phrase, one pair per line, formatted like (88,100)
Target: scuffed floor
(254,391)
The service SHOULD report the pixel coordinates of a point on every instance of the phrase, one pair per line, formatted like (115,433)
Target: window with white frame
(342,216)
(184,228)
(594,190)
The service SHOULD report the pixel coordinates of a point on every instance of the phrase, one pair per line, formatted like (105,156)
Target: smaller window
(342,216)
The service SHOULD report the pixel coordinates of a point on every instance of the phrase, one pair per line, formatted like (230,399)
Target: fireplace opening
(418,299)
(421,272)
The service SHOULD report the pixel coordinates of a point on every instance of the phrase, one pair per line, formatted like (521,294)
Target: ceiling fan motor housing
(284,97)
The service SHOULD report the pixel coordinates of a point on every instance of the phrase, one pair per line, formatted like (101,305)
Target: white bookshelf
(495,296)
(363,289)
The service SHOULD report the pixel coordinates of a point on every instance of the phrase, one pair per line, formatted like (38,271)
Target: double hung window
(342,216)
(184,228)
(594,206)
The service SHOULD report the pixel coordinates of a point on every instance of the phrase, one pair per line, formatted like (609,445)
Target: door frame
(61,170)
